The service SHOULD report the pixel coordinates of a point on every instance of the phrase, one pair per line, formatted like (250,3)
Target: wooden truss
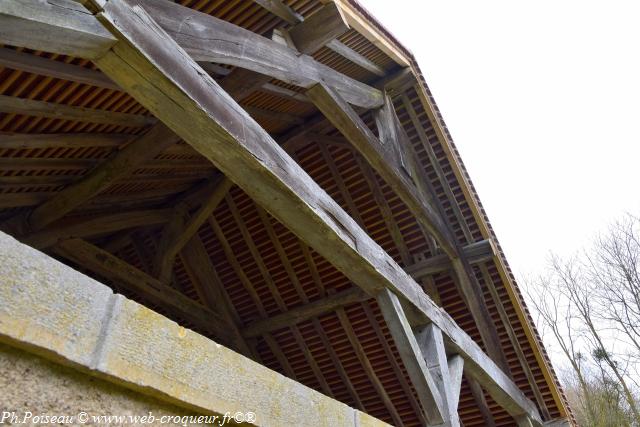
(161,53)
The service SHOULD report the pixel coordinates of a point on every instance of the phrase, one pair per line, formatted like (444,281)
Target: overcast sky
(542,99)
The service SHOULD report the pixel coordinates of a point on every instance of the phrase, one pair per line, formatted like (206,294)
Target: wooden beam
(473,296)
(205,278)
(382,158)
(278,8)
(475,253)
(285,12)
(48,67)
(431,344)
(196,108)
(59,26)
(305,312)
(353,56)
(430,396)
(110,267)
(182,226)
(19,141)
(455,365)
(29,107)
(207,38)
(318,29)
(123,162)
(95,225)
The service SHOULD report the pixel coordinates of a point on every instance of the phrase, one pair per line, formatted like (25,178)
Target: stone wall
(48,308)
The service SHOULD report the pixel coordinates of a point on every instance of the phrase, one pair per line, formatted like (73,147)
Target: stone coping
(48,308)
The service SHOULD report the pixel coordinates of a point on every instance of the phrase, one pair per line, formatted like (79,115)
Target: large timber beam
(60,26)
(432,399)
(153,68)
(106,265)
(205,37)
(383,158)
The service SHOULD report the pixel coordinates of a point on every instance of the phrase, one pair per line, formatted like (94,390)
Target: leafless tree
(591,304)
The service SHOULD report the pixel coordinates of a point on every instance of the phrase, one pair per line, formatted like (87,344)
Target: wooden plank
(382,158)
(95,225)
(29,107)
(19,141)
(475,253)
(125,161)
(196,108)
(110,267)
(432,400)
(207,38)
(47,67)
(353,56)
(182,226)
(318,29)
(59,26)
(305,312)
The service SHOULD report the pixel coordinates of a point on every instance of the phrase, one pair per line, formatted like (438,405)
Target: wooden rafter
(29,107)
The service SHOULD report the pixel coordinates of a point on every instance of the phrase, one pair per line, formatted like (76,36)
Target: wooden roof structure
(276,176)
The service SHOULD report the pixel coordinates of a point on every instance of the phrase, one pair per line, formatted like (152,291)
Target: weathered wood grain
(383,158)
(431,397)
(319,29)
(58,26)
(207,38)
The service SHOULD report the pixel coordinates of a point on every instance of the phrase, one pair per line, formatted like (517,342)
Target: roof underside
(266,269)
